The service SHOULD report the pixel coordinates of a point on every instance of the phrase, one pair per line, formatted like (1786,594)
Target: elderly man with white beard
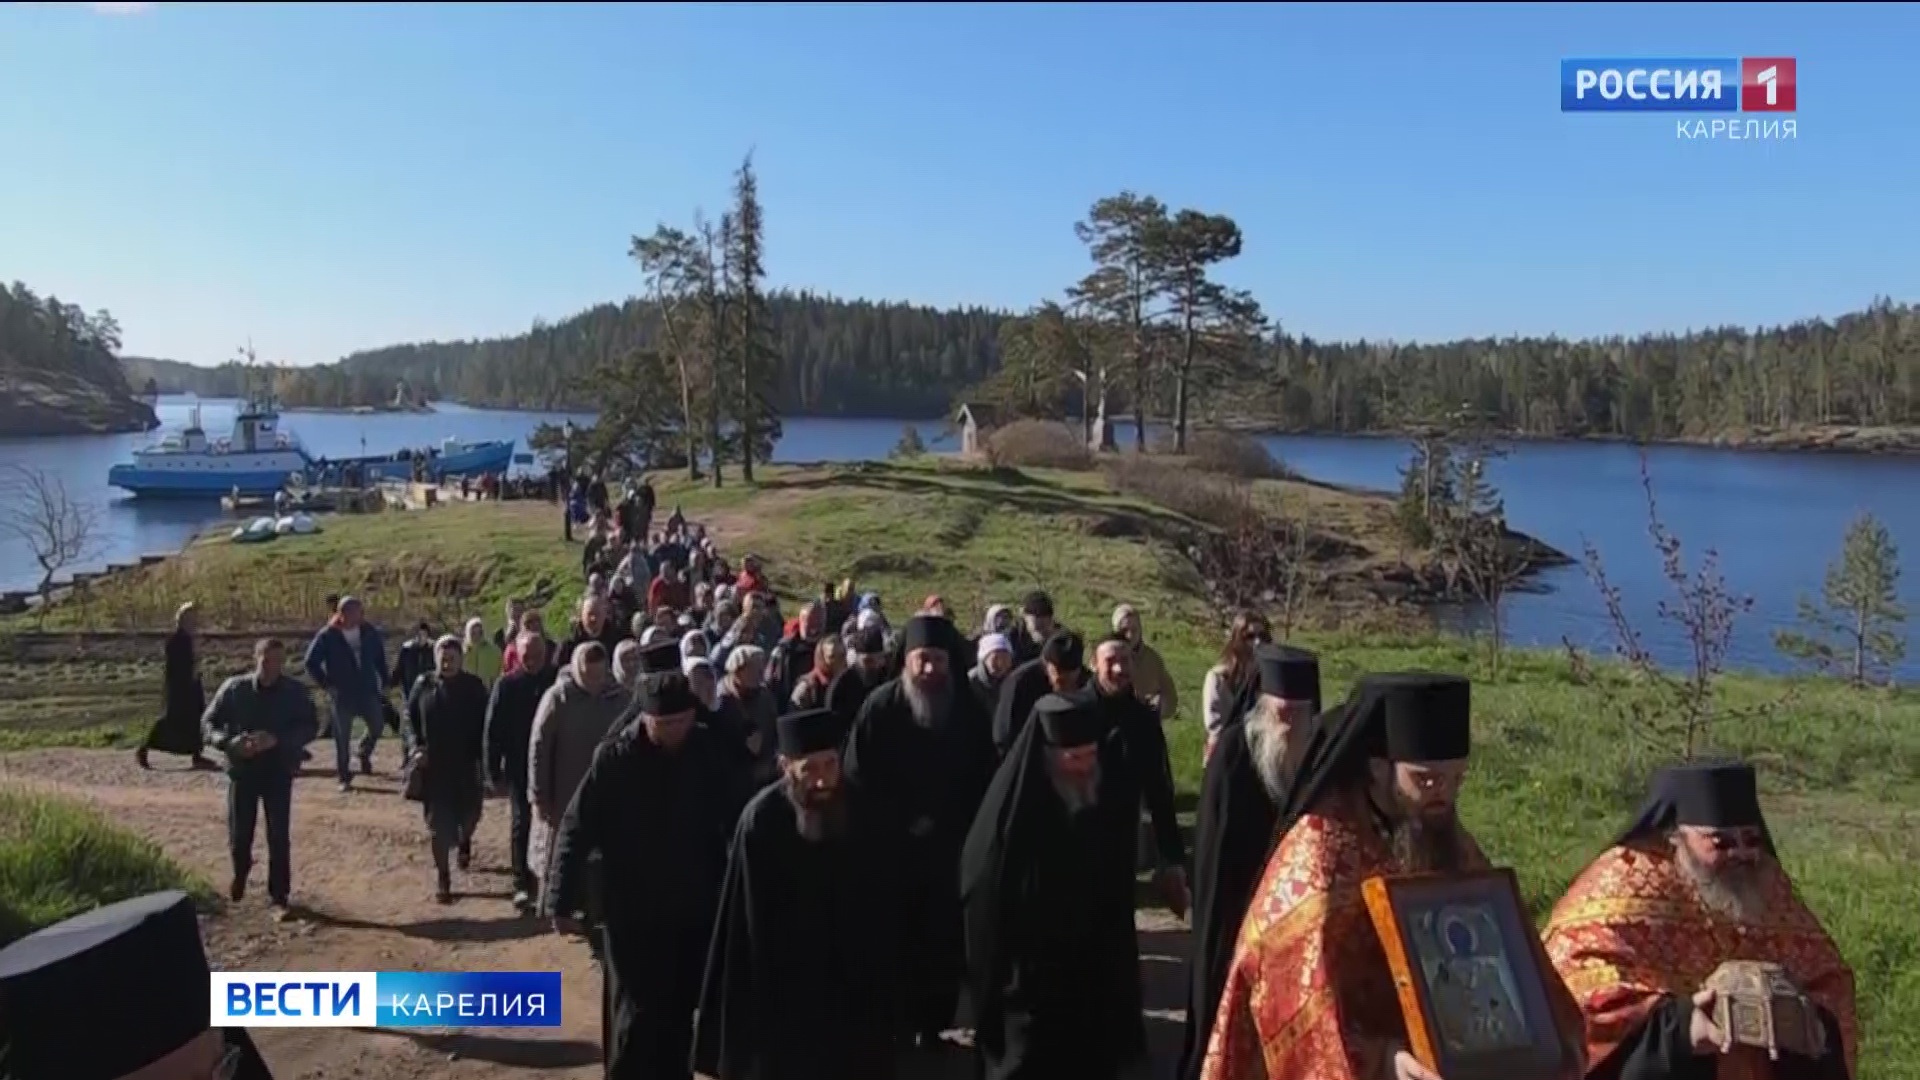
(1244,793)
(1692,884)
(920,752)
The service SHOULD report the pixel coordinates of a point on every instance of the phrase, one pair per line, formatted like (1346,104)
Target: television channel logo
(1749,84)
(387,999)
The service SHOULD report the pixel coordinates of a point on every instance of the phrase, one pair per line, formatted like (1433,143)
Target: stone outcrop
(34,402)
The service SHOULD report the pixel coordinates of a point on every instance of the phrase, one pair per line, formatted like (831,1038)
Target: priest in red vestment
(1693,884)
(1309,995)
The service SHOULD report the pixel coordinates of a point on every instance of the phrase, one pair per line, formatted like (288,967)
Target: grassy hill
(1556,768)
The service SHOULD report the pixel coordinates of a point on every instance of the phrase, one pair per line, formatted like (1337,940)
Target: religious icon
(1466,965)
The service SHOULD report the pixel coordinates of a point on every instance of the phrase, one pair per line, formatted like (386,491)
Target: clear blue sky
(330,177)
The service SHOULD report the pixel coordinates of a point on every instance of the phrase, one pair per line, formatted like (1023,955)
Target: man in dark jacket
(348,659)
(414,659)
(260,721)
(1035,627)
(594,624)
(509,732)
(446,723)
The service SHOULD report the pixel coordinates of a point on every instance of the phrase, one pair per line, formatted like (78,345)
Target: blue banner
(467,999)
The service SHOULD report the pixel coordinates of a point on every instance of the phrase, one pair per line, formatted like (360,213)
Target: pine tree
(1127,289)
(756,356)
(1856,628)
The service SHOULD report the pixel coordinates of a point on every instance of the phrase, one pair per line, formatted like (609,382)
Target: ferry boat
(257,459)
(260,458)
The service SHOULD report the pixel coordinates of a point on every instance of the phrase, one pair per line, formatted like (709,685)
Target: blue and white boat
(259,458)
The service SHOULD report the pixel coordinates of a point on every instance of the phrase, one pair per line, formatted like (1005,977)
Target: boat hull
(151,483)
(470,460)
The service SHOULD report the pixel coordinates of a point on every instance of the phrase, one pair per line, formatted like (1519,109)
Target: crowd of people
(805,846)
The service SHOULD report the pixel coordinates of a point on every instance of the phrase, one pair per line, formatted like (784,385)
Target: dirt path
(363,890)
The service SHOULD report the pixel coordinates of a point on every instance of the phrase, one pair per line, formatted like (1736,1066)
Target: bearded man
(1692,884)
(1243,795)
(922,755)
(1047,874)
(799,978)
(1309,992)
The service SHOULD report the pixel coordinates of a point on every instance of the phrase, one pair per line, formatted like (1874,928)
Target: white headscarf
(994,614)
(993,643)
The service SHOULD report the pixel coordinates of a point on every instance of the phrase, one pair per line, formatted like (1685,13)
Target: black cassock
(660,821)
(1237,828)
(178,729)
(799,983)
(1020,691)
(923,786)
(1052,957)
(1662,1049)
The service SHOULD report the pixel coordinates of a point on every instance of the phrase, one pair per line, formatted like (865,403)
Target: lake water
(1776,519)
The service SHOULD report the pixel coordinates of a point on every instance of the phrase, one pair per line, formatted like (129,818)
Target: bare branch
(58,530)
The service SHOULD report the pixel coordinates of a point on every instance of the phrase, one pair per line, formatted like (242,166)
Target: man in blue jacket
(348,658)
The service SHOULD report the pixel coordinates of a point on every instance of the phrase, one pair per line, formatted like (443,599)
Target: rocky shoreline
(43,403)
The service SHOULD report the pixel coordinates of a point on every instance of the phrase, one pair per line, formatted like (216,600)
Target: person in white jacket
(1227,683)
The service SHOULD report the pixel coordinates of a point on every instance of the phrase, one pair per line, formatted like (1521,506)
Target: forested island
(58,372)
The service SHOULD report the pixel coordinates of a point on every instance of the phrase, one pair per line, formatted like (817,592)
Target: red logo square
(1768,84)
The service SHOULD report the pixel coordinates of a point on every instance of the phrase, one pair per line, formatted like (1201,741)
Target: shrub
(1210,500)
(1040,444)
(1229,454)
(911,445)
(59,858)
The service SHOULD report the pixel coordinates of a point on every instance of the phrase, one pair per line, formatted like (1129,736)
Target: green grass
(1556,770)
(59,858)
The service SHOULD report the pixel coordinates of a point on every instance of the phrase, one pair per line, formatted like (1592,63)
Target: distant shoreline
(1841,439)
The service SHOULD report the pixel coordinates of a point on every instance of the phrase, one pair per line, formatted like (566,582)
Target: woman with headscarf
(810,690)
(999,620)
(184,698)
(695,643)
(995,660)
(483,658)
(446,734)
(701,680)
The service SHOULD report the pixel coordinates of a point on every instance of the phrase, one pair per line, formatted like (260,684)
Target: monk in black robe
(799,984)
(1058,669)
(184,697)
(1243,799)
(921,756)
(137,969)
(1137,726)
(658,805)
(1047,878)
(866,670)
